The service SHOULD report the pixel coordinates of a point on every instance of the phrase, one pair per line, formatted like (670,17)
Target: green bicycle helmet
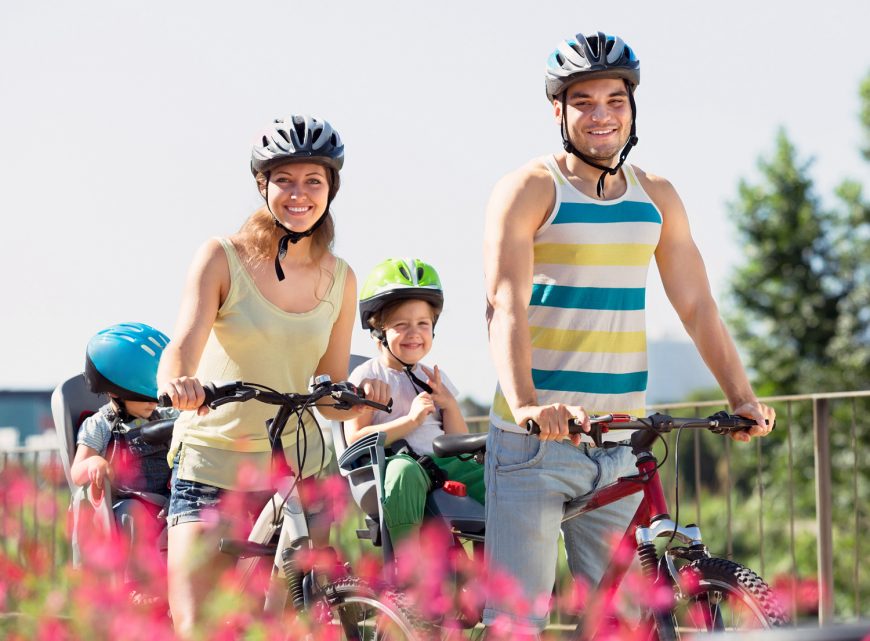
(399,279)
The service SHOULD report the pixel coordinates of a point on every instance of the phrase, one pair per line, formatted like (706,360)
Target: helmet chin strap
(606,171)
(416,381)
(291,236)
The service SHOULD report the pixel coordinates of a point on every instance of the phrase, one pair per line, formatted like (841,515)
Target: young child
(400,303)
(121,361)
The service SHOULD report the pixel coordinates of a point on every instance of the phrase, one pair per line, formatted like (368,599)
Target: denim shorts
(192,501)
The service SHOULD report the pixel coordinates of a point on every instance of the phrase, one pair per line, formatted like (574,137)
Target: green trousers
(406,485)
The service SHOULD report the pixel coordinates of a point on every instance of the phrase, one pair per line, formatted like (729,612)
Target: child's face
(140,409)
(409,330)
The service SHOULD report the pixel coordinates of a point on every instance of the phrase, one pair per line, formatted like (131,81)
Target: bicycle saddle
(456,444)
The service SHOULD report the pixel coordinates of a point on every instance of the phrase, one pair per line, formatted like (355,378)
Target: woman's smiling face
(298,194)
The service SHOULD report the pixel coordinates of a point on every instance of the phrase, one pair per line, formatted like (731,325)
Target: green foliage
(803,301)
(803,294)
(865,115)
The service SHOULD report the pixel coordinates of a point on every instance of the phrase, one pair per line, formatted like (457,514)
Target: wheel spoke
(718,594)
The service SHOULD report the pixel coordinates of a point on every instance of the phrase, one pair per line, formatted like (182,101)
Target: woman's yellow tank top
(254,340)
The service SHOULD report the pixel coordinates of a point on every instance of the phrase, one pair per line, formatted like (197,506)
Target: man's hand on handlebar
(186,393)
(764,416)
(553,420)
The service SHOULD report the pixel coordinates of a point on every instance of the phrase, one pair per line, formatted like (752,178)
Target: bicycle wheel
(360,613)
(722,595)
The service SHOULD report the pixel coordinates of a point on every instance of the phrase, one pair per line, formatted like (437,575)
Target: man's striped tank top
(587,310)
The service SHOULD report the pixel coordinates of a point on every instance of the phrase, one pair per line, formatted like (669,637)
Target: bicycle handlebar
(344,394)
(719,423)
(158,432)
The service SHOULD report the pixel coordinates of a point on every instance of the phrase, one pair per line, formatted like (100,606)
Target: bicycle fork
(287,576)
(651,564)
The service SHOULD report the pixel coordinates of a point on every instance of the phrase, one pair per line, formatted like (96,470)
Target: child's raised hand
(440,394)
(421,407)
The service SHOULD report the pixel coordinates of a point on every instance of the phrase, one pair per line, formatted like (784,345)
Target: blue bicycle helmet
(122,360)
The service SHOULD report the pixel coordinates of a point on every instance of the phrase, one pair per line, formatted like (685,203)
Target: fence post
(824,522)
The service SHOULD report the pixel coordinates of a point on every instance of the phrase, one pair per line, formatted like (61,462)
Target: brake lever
(239,397)
(345,399)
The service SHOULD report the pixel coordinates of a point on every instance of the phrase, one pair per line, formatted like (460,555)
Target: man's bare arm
(519,204)
(684,277)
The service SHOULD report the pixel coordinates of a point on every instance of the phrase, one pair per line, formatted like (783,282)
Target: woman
(270,304)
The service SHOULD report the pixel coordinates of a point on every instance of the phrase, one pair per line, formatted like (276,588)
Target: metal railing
(763,541)
(800,419)
(27,498)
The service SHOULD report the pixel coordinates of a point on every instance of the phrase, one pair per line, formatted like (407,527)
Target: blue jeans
(528,481)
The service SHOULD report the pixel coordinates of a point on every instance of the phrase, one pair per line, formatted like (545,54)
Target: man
(567,246)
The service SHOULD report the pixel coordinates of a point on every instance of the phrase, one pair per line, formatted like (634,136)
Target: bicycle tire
(361,613)
(719,594)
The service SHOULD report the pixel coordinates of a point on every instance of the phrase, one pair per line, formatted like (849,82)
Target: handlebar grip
(212,390)
(573,427)
(388,408)
(728,423)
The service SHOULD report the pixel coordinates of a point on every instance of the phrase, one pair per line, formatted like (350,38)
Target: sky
(126,131)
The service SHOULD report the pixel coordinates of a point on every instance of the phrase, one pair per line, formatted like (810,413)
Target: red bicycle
(702,592)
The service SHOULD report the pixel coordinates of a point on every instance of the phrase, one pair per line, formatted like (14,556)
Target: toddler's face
(140,409)
(409,330)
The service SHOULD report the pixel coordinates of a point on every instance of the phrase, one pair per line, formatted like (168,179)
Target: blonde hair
(263,235)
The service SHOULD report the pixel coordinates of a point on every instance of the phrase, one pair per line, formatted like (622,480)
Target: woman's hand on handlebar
(764,416)
(186,393)
(553,420)
(374,390)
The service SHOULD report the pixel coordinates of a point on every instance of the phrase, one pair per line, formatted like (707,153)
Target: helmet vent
(284,134)
(404,272)
(147,349)
(419,273)
(299,126)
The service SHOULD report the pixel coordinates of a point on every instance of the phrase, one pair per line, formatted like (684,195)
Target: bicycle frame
(651,520)
(292,528)
(291,524)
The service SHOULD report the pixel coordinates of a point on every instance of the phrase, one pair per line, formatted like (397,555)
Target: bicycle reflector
(456,488)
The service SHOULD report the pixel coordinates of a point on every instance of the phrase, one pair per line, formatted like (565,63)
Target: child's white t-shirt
(404,393)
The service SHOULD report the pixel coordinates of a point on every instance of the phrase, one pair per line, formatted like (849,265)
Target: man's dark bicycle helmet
(122,360)
(298,138)
(585,58)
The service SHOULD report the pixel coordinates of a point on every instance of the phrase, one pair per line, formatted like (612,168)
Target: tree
(803,319)
(803,296)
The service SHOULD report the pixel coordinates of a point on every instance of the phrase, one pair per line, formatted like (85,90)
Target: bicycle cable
(676,487)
